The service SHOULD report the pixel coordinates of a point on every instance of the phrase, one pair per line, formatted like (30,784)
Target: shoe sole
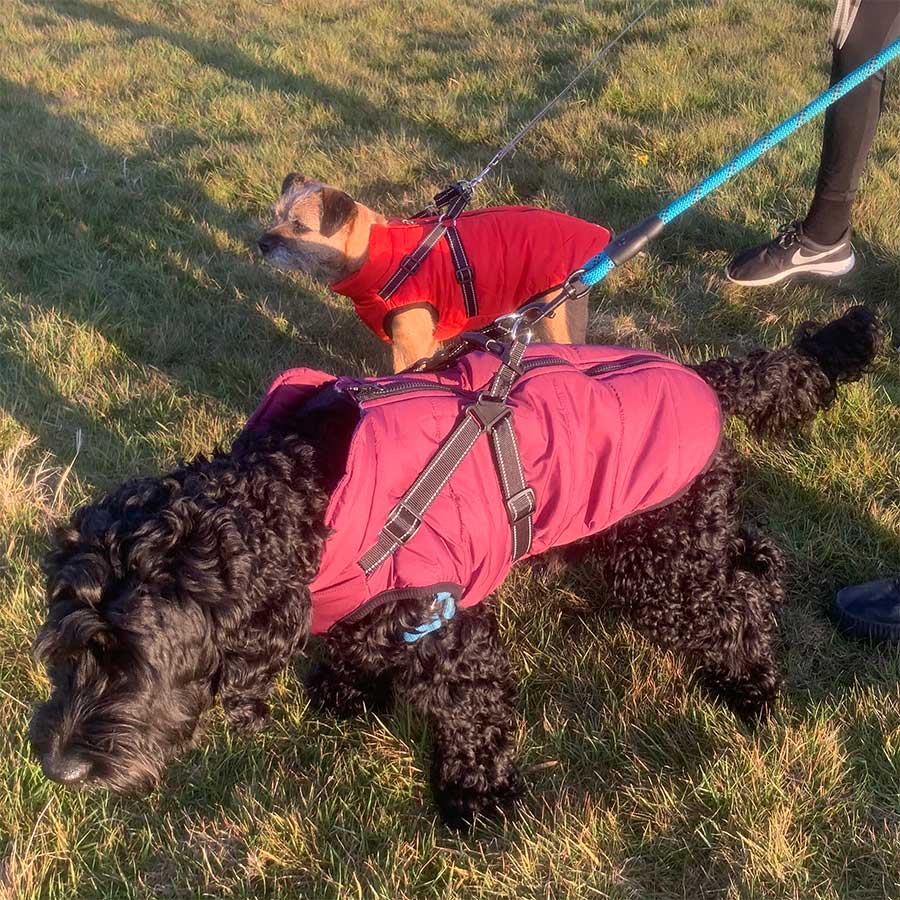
(874,631)
(827,270)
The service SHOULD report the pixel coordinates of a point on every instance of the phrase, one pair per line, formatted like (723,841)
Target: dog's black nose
(267,244)
(65,769)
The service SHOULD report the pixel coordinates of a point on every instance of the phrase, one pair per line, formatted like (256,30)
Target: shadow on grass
(119,247)
(163,254)
(820,664)
(353,114)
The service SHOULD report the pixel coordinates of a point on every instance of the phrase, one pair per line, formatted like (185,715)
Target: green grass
(141,144)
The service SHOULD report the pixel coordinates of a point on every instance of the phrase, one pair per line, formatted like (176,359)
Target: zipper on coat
(626,363)
(364,392)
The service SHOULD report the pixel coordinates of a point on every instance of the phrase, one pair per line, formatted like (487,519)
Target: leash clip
(573,287)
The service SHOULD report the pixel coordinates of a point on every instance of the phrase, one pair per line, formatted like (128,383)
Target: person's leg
(820,245)
(850,124)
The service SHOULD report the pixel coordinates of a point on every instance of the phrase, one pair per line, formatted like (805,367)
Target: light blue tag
(448,611)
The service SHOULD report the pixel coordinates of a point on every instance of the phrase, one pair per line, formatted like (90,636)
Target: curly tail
(778,392)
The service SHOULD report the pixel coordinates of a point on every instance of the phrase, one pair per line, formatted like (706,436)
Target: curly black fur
(777,393)
(174,592)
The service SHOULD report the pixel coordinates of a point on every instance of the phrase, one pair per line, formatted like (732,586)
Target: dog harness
(583,438)
(469,269)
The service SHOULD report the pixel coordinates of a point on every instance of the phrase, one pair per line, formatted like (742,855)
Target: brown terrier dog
(495,260)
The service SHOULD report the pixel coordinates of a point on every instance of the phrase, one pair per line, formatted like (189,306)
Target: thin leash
(449,204)
(511,145)
(467,187)
(516,326)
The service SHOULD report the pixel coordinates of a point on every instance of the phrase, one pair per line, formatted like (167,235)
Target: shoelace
(788,235)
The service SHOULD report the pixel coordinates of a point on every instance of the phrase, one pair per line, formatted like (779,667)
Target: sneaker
(870,610)
(791,254)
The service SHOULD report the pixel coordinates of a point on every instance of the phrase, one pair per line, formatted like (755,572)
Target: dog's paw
(460,803)
(331,694)
(750,699)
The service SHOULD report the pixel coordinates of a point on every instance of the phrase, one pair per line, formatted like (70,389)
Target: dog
(200,586)
(512,254)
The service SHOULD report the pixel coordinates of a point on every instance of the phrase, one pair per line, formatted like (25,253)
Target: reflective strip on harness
(491,414)
(464,274)
(456,200)
(410,263)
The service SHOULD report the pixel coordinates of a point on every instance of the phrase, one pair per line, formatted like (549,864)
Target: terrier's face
(312,225)
(128,643)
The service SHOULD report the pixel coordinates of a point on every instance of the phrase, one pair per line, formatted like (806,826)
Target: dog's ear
(75,621)
(291,179)
(338,210)
(71,635)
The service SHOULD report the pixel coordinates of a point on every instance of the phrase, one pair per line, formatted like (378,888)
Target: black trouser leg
(850,124)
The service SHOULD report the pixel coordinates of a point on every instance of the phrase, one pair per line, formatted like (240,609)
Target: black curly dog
(177,590)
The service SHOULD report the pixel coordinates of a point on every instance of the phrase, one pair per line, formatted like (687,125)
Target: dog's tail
(777,392)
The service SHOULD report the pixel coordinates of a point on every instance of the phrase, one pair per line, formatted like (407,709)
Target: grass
(141,145)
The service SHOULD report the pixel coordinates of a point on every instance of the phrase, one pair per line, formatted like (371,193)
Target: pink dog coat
(515,252)
(603,433)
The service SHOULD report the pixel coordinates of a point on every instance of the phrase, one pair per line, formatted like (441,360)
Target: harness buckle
(408,264)
(487,411)
(520,505)
(402,523)
(465,275)
(483,341)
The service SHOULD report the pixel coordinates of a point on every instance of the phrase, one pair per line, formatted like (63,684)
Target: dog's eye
(300,228)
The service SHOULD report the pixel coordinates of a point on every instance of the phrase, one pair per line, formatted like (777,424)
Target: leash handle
(633,240)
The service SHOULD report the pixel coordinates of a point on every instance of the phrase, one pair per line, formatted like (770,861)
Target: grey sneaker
(870,610)
(789,255)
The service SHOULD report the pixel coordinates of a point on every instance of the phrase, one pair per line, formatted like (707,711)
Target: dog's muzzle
(267,243)
(66,769)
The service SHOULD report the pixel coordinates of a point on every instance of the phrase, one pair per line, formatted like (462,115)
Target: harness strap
(410,263)
(455,198)
(517,496)
(464,273)
(489,413)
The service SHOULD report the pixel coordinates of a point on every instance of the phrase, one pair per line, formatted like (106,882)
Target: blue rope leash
(635,239)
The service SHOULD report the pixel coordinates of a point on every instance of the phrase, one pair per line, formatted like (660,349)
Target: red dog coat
(515,252)
(603,433)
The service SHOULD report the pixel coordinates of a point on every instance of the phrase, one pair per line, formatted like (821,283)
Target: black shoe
(870,610)
(791,254)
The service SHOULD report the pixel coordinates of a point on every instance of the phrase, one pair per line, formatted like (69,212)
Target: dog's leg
(461,681)
(412,336)
(568,325)
(736,664)
(336,686)
(693,580)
